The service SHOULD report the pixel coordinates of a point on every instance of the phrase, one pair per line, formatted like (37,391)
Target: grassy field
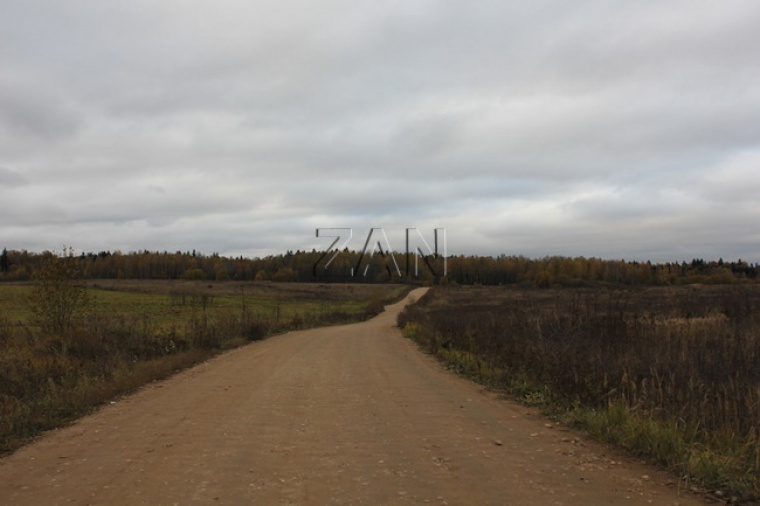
(672,374)
(134,332)
(170,303)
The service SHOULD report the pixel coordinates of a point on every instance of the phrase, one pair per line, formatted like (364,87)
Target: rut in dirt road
(341,415)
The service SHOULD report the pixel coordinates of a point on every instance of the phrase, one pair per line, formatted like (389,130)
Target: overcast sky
(612,129)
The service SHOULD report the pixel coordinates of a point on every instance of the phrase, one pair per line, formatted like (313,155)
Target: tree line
(354,266)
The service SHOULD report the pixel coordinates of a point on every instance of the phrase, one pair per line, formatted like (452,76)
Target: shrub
(59,297)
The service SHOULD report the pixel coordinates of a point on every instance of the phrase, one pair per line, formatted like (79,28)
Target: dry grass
(681,364)
(139,331)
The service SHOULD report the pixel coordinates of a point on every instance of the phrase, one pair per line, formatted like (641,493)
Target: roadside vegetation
(671,374)
(68,345)
(662,359)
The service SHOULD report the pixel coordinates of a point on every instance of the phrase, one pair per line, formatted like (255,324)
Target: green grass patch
(721,464)
(133,333)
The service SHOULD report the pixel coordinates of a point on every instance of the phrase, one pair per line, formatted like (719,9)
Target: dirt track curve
(341,415)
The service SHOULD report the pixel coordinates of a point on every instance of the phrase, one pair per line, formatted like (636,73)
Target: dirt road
(340,415)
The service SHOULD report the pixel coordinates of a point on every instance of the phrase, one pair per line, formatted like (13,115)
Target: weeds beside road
(124,334)
(668,373)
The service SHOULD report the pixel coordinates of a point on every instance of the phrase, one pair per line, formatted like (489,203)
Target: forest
(355,267)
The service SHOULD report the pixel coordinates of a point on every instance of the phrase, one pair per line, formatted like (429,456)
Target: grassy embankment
(135,332)
(671,374)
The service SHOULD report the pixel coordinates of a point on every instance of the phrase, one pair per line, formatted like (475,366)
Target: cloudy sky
(604,128)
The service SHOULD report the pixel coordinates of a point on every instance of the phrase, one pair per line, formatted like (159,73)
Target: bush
(59,296)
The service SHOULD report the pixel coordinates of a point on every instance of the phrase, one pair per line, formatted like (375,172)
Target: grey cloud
(31,109)
(11,178)
(596,128)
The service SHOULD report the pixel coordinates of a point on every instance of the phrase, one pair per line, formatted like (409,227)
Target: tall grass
(49,377)
(669,373)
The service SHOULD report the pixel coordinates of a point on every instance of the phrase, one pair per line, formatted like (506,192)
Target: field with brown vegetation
(67,345)
(670,373)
